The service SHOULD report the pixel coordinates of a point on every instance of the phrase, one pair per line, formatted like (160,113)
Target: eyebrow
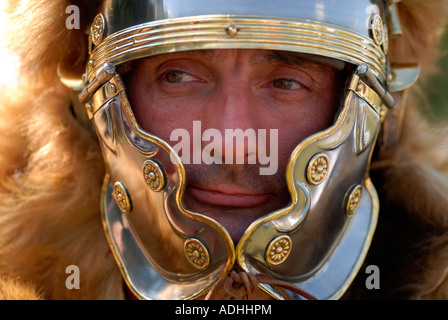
(193,53)
(282,57)
(270,56)
(315,62)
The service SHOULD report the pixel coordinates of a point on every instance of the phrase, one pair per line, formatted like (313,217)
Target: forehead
(253,56)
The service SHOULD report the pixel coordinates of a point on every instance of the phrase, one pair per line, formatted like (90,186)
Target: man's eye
(286,84)
(178,76)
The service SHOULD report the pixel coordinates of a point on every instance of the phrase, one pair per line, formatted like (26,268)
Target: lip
(228,197)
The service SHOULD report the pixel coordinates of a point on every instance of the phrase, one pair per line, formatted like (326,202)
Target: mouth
(228,196)
(234,207)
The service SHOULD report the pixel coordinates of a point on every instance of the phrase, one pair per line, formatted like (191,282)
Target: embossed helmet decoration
(318,242)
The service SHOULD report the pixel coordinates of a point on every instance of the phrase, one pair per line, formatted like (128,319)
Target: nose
(232,113)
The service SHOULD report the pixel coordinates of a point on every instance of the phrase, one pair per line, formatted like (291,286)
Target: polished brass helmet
(319,241)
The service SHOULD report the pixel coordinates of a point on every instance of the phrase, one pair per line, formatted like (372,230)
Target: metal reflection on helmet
(319,241)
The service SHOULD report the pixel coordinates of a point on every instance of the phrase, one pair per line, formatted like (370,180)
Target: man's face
(256,90)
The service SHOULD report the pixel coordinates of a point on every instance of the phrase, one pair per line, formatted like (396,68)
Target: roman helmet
(318,242)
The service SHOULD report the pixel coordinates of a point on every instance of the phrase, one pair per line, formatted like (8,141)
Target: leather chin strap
(240,285)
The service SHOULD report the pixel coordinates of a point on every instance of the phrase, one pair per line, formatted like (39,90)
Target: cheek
(154,114)
(298,125)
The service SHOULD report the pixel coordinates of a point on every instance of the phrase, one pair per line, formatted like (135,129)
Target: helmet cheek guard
(154,238)
(332,200)
(319,241)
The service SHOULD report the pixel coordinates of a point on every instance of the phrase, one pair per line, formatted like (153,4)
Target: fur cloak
(51,170)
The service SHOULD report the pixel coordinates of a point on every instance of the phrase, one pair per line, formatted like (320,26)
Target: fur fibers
(51,170)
